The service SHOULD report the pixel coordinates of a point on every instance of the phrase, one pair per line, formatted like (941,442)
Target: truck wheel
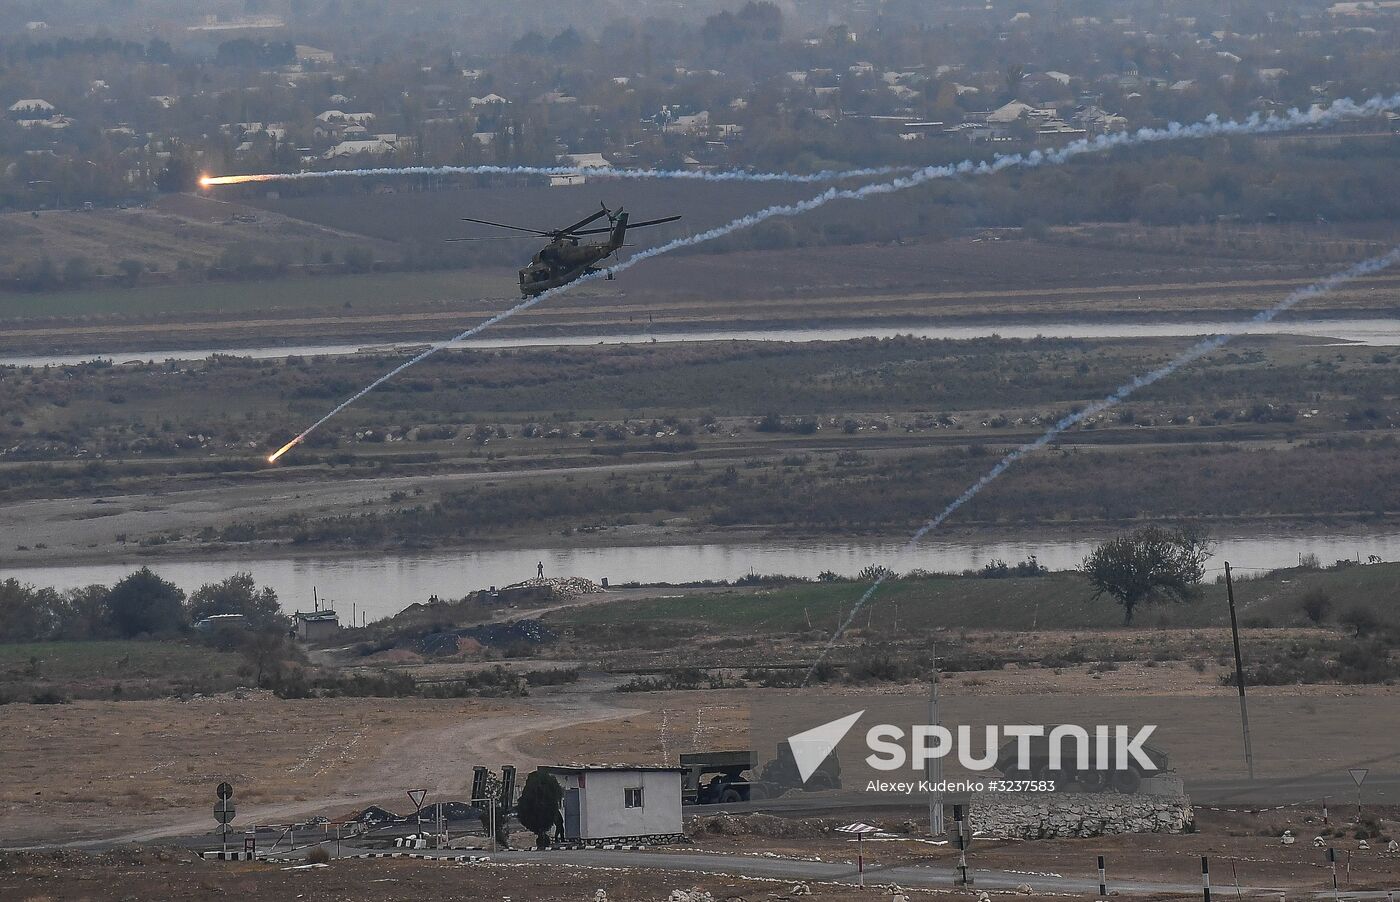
(729,797)
(1093,780)
(1126,781)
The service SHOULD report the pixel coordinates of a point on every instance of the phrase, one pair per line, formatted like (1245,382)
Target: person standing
(539,570)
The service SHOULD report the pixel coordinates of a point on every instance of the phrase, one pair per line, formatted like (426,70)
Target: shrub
(873,572)
(878,668)
(318,855)
(999,569)
(1315,604)
(1360,620)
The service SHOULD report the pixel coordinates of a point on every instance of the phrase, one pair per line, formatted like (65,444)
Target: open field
(906,607)
(139,770)
(172,238)
(502,447)
(115,669)
(208,309)
(1073,274)
(142,769)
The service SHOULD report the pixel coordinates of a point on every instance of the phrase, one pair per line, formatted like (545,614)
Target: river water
(1374,332)
(382,585)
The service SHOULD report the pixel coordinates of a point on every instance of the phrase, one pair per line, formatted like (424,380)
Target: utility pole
(934,768)
(1239,671)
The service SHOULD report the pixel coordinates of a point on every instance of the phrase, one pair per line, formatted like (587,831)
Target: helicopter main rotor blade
(502,225)
(651,222)
(573,229)
(630,226)
(495,238)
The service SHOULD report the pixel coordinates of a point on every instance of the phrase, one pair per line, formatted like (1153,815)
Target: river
(1373,332)
(384,584)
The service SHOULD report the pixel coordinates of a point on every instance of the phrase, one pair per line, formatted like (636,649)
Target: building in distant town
(584,161)
(32,108)
(308,54)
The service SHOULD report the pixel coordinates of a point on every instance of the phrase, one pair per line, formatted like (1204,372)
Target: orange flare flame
(272,458)
(209,181)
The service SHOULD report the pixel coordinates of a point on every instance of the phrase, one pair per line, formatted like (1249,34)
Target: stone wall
(1044,815)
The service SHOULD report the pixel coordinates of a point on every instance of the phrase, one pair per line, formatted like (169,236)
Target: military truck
(726,777)
(1068,777)
(714,778)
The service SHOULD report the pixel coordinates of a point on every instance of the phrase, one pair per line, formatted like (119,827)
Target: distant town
(112,119)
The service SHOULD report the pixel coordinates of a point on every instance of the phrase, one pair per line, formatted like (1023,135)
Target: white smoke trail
(731,175)
(1210,127)
(1190,355)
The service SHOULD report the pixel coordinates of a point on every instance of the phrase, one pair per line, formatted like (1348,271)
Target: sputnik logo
(811,747)
(1107,747)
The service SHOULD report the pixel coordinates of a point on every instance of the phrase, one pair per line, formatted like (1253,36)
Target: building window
(632,797)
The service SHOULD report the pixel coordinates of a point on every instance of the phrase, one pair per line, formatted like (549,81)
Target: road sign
(416,796)
(224,810)
(860,830)
(1358,775)
(224,791)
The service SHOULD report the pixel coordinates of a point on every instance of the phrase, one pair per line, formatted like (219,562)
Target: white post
(934,769)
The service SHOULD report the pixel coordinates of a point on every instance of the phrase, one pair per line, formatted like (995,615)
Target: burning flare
(272,458)
(209,181)
(737,175)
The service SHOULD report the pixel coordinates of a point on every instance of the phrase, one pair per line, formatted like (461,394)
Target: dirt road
(95,773)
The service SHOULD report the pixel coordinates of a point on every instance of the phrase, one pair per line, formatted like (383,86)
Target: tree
(1315,604)
(532,43)
(268,654)
(1148,564)
(1360,620)
(131,269)
(763,20)
(539,806)
(566,43)
(359,259)
(238,595)
(28,614)
(143,603)
(178,175)
(85,612)
(78,271)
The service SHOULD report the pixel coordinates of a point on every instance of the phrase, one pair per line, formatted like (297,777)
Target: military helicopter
(563,260)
